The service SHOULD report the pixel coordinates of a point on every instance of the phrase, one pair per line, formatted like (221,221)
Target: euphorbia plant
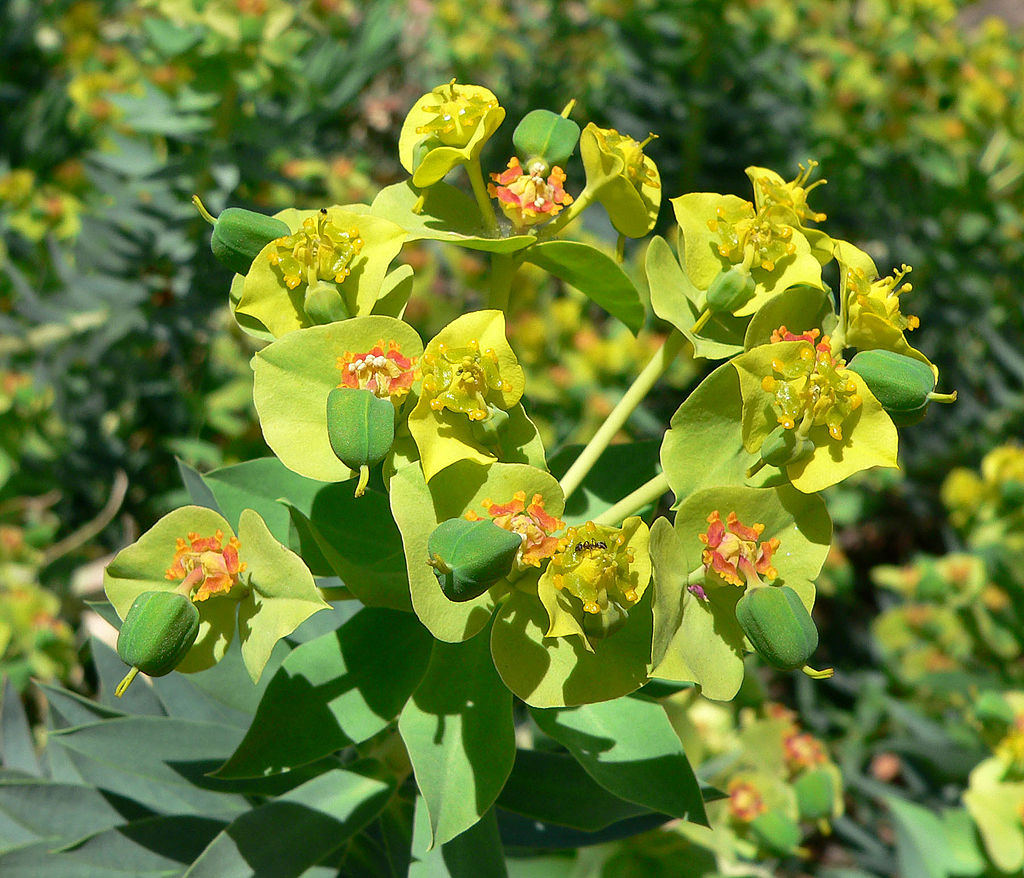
(456,521)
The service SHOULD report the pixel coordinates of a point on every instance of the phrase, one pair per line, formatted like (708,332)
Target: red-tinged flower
(527,198)
(531,522)
(205,565)
(783,334)
(803,750)
(733,551)
(384,370)
(745,801)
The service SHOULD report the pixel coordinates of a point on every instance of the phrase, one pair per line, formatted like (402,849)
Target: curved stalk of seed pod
(647,378)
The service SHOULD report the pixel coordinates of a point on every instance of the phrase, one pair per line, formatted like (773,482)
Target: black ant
(589,544)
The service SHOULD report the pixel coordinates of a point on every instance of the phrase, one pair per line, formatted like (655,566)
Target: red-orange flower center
(531,522)
(205,565)
(382,369)
(745,801)
(526,197)
(734,553)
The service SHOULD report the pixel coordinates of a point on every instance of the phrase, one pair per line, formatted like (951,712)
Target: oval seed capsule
(815,794)
(239,234)
(782,447)
(778,626)
(361,429)
(468,557)
(730,289)
(158,630)
(901,384)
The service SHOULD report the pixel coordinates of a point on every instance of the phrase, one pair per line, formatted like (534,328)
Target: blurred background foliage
(117,353)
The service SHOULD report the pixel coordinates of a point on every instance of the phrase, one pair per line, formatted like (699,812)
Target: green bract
(721,231)
(447,127)
(341,246)
(622,178)
(545,135)
(253,576)
(468,368)
(698,638)
(462,489)
(848,436)
(294,376)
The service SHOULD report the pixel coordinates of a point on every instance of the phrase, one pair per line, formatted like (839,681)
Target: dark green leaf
(475,853)
(17,747)
(619,470)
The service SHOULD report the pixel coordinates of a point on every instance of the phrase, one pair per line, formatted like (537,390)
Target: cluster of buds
(761,240)
(525,196)
(814,389)
(792,195)
(880,297)
(594,563)
(456,114)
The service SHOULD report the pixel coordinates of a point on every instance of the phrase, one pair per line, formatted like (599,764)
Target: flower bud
(324,303)
(361,429)
(239,235)
(782,447)
(468,557)
(730,290)
(903,385)
(778,626)
(158,631)
(546,136)
(815,794)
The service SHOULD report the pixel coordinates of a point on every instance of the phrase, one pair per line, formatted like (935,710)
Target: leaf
(110,669)
(198,491)
(295,831)
(629,747)
(447,214)
(17,748)
(458,730)
(159,762)
(361,542)
(597,276)
(475,853)
(921,846)
(528,835)
(342,688)
(553,788)
(676,300)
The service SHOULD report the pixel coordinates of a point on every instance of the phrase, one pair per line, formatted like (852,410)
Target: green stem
(705,316)
(503,269)
(203,212)
(483,200)
(620,414)
(649,492)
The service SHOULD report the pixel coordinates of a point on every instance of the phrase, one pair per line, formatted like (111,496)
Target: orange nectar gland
(593,564)
(793,195)
(882,297)
(459,379)
(783,334)
(457,114)
(632,154)
(762,238)
(745,801)
(814,387)
(526,197)
(382,370)
(531,522)
(317,251)
(734,553)
(205,565)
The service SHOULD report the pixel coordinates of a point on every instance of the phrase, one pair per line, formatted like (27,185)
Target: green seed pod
(782,447)
(325,304)
(776,831)
(468,557)
(730,289)
(239,234)
(778,625)
(361,429)
(158,631)
(815,794)
(901,384)
(545,136)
